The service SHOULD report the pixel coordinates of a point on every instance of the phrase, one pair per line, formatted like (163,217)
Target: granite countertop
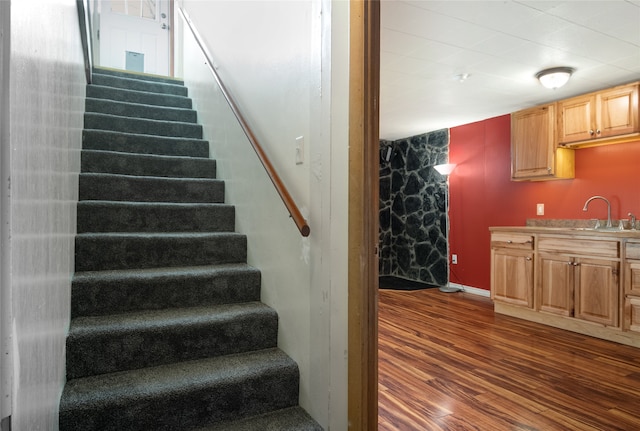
(573,227)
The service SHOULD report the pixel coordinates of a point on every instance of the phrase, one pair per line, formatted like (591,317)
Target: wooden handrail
(85,38)
(289,203)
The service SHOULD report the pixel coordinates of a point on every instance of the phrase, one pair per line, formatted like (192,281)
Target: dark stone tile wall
(413,223)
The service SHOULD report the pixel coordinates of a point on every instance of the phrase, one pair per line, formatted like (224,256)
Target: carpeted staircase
(167,328)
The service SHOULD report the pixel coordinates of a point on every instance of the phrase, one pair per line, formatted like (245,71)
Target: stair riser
(145,165)
(91,353)
(150,189)
(139,85)
(133,75)
(146,127)
(193,407)
(131,96)
(131,217)
(143,144)
(99,294)
(134,110)
(103,252)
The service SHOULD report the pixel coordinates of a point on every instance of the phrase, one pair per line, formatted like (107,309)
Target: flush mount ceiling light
(555,77)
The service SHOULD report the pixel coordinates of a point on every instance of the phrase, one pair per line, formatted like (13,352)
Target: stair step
(107,344)
(143,144)
(133,96)
(95,293)
(112,162)
(181,395)
(115,187)
(109,216)
(103,251)
(289,419)
(142,126)
(139,110)
(139,85)
(137,75)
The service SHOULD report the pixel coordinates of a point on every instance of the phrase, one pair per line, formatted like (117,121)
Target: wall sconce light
(445,169)
(555,77)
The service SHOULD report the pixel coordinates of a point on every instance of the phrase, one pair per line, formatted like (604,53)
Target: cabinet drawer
(632,307)
(583,247)
(632,250)
(512,240)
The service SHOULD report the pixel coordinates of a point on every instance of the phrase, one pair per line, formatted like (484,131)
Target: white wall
(47,88)
(276,58)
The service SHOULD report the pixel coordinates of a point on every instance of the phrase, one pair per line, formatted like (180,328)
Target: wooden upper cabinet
(600,117)
(534,153)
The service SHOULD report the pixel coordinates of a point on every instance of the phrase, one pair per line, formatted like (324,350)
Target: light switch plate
(299,150)
(540,209)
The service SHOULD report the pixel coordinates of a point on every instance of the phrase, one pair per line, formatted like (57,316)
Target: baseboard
(472,290)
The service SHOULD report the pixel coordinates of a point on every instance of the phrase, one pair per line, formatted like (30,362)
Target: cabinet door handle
(591,132)
(509,242)
(570,263)
(597,131)
(528,258)
(576,264)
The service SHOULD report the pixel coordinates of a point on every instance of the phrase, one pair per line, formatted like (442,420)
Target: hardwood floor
(447,362)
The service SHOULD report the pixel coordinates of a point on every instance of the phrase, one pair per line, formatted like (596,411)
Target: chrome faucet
(632,223)
(586,204)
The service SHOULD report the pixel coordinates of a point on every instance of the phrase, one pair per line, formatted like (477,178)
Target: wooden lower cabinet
(577,287)
(556,280)
(632,313)
(513,277)
(574,282)
(512,269)
(597,289)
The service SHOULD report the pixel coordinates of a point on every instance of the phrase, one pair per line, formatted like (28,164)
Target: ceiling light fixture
(555,77)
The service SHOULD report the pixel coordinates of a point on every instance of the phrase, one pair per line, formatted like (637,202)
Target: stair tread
(144,126)
(101,70)
(289,419)
(186,271)
(159,235)
(149,156)
(164,318)
(121,388)
(97,139)
(141,177)
(137,105)
(126,95)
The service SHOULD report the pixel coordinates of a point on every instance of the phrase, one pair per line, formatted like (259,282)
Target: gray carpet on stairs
(167,330)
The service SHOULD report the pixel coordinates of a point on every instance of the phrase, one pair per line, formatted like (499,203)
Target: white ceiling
(501,45)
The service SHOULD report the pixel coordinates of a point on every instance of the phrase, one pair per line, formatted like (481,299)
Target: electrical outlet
(540,209)
(454,259)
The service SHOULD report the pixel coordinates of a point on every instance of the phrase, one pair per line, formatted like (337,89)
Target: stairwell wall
(46,85)
(269,55)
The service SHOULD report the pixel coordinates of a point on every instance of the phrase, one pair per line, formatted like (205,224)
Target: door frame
(364,85)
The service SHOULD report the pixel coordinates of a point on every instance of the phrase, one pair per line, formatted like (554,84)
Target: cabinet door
(576,118)
(632,277)
(512,277)
(597,288)
(556,282)
(532,142)
(632,310)
(617,111)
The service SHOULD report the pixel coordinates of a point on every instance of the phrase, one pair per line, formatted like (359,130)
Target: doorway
(133,35)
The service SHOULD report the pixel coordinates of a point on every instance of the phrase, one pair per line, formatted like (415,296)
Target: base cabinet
(512,269)
(578,287)
(570,281)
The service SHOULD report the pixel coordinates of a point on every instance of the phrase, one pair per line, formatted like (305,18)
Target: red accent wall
(482,194)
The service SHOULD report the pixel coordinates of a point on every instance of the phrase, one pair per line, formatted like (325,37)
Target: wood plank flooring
(447,362)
